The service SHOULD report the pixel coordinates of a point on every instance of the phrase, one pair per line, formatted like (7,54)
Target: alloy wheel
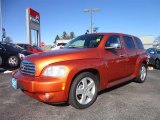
(85,90)
(143,73)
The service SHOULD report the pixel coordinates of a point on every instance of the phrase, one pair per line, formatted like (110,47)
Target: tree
(64,36)
(57,38)
(72,35)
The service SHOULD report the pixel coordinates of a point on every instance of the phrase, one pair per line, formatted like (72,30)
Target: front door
(115,59)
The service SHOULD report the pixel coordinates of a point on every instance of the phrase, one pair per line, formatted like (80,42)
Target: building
(147,41)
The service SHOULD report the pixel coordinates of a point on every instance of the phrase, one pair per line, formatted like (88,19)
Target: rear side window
(128,42)
(138,43)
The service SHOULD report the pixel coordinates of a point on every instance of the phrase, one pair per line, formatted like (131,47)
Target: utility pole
(1,20)
(91,10)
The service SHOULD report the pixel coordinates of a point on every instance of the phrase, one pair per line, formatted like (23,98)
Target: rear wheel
(13,61)
(141,77)
(83,92)
(0,60)
(157,64)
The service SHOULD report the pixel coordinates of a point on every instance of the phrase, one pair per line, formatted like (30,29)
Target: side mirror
(113,46)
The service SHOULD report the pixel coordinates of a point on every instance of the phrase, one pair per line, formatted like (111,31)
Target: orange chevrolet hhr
(86,65)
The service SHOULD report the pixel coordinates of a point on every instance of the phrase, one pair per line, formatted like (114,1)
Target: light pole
(91,10)
(1,20)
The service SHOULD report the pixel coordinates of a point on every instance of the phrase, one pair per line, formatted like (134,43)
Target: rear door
(116,59)
(131,53)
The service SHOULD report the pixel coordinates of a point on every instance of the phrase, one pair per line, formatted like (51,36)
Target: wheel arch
(91,70)
(138,66)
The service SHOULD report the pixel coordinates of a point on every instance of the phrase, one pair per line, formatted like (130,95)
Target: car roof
(23,44)
(111,33)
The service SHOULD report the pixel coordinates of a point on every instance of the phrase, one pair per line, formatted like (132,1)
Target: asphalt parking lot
(130,101)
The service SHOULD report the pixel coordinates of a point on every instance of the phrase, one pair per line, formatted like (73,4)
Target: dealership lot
(128,101)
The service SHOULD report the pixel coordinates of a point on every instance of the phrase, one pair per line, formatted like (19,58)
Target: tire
(157,64)
(83,92)
(13,61)
(0,60)
(141,77)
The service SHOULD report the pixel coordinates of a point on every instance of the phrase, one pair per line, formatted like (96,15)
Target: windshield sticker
(98,39)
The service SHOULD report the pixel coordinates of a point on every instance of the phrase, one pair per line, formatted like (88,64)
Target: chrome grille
(27,67)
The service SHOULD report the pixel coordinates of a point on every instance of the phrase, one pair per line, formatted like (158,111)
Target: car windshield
(85,41)
(17,46)
(158,51)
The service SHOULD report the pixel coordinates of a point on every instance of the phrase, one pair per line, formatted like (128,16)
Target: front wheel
(13,61)
(83,92)
(141,77)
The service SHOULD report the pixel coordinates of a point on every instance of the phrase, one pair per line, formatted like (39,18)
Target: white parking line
(7,71)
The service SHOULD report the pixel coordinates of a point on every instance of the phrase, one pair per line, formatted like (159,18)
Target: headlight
(21,56)
(55,71)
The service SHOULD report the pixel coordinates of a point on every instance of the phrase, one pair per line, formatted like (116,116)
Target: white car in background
(59,46)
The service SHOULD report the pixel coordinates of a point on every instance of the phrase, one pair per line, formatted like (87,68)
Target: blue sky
(136,17)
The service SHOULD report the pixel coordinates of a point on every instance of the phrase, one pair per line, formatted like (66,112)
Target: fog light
(46,95)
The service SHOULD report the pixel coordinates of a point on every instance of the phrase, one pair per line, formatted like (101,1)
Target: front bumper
(46,89)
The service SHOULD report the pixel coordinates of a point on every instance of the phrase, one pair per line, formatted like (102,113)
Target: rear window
(128,42)
(138,43)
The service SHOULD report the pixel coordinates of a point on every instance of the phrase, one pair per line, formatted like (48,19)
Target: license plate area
(14,83)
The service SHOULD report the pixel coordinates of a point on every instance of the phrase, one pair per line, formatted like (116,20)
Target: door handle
(122,55)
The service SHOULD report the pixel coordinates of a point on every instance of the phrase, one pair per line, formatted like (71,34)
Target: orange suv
(86,65)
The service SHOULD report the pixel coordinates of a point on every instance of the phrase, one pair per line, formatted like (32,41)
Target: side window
(138,43)
(25,47)
(128,42)
(113,40)
(148,50)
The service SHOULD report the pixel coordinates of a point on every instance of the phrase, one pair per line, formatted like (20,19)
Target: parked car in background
(154,57)
(12,54)
(58,46)
(30,48)
(86,65)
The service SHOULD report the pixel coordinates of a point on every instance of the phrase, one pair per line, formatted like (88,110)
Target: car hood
(26,53)
(62,55)
(45,58)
